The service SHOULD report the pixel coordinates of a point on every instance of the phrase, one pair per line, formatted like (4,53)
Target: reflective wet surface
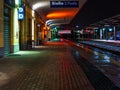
(105,61)
(60,66)
(48,67)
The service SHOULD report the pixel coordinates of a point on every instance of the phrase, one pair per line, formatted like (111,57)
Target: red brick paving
(54,68)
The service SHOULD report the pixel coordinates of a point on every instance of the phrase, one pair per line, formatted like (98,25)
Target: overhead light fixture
(39,5)
(60,14)
(52,20)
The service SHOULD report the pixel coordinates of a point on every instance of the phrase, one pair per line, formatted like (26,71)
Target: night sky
(96,10)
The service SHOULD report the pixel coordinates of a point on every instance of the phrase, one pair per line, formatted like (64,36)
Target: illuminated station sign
(20,13)
(64,4)
(64,31)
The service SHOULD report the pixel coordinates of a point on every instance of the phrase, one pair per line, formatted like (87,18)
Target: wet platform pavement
(49,67)
(107,61)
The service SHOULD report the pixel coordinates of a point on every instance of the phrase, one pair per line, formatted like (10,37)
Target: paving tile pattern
(54,68)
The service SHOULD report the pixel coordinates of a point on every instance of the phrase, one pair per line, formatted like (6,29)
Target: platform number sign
(20,13)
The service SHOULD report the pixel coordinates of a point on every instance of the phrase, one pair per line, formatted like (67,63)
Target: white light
(64,32)
(39,5)
(52,20)
(16,2)
(78,31)
(20,9)
(21,16)
(95,52)
(49,21)
(106,57)
(110,29)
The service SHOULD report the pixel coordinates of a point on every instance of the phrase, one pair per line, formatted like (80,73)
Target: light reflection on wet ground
(101,55)
(107,62)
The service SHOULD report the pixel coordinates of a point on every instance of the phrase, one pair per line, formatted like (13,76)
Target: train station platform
(110,45)
(49,67)
(52,66)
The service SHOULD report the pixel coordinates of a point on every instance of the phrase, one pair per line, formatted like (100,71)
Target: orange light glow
(60,14)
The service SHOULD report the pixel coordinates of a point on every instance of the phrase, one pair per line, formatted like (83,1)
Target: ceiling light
(39,5)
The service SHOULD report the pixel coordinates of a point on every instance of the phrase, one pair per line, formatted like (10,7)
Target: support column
(101,34)
(114,32)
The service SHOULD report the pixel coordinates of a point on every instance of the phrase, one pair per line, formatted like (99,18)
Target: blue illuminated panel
(64,4)
(20,13)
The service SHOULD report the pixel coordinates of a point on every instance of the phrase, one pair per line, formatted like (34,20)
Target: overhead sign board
(64,31)
(20,13)
(64,4)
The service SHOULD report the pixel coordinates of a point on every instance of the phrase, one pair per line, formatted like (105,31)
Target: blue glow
(110,29)
(20,13)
